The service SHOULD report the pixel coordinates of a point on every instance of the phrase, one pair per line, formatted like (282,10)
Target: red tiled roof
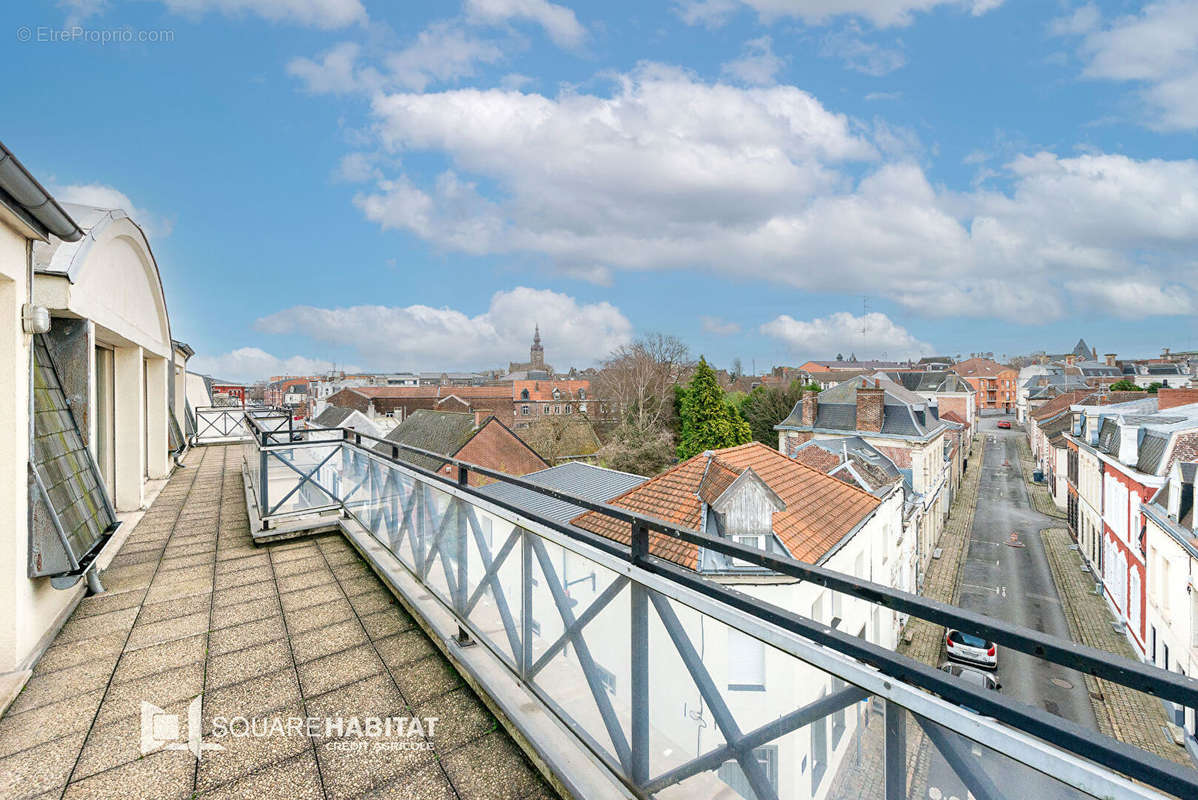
(1061,403)
(542,391)
(819,511)
(953,416)
(980,367)
(817,458)
(441,391)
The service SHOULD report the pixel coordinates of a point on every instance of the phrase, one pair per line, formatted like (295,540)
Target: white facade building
(85,345)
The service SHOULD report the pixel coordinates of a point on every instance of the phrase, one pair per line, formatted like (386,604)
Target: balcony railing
(227,423)
(634,655)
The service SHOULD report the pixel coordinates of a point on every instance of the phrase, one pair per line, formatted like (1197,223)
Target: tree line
(669,407)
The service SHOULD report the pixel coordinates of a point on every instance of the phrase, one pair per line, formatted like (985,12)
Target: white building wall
(31,607)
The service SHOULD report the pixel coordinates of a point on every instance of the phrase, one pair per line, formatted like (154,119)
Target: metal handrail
(1119,756)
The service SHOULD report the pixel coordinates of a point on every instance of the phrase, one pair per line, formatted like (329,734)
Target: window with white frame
(746,662)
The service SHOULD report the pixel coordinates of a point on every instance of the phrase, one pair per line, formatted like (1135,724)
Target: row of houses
(1122,466)
(93,399)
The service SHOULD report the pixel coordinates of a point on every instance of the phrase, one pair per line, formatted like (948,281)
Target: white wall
(31,607)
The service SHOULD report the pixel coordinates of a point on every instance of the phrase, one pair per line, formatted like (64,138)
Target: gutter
(43,210)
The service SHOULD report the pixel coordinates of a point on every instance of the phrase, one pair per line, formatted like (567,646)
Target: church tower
(536,354)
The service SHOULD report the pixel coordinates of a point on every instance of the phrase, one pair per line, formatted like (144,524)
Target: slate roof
(935,381)
(904,413)
(331,417)
(444,432)
(820,510)
(582,480)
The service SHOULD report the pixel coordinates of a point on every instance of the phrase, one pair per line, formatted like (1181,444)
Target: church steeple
(536,354)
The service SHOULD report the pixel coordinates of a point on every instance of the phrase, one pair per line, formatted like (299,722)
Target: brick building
(994,383)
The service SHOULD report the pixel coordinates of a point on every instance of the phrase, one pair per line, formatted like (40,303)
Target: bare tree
(637,380)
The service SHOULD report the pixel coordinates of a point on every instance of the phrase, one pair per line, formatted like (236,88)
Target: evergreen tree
(708,422)
(766,407)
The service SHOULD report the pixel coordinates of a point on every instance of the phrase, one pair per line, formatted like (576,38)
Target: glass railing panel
(440,541)
(300,477)
(494,581)
(586,676)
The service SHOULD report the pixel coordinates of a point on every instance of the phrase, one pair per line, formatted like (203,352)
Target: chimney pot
(1110,359)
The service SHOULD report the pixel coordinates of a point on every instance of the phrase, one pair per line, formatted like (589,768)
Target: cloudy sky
(413,185)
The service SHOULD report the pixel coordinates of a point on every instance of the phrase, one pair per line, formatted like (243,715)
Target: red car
(1004,424)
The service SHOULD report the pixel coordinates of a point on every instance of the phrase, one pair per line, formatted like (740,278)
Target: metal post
(896,752)
(639,740)
(525,660)
(264,479)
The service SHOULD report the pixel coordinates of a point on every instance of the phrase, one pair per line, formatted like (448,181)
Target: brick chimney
(1110,359)
(1070,359)
(809,408)
(1171,398)
(870,407)
(480,416)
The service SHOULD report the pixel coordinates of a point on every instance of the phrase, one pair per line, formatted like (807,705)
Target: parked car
(1004,423)
(971,649)
(972,675)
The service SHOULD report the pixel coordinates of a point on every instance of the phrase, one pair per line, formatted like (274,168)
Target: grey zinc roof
(583,480)
(1152,452)
(1108,435)
(838,409)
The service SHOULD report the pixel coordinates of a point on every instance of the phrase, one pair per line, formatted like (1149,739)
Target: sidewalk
(1122,713)
(1041,496)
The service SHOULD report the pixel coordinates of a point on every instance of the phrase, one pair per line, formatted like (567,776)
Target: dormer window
(523,394)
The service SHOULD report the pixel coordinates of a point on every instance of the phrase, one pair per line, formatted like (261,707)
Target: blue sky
(401,186)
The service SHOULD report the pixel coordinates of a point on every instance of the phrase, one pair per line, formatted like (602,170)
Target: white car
(971,649)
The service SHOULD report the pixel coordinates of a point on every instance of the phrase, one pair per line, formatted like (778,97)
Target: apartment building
(89,376)
(994,383)
(1171,540)
(1125,453)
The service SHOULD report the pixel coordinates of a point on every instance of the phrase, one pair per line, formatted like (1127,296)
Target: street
(1010,579)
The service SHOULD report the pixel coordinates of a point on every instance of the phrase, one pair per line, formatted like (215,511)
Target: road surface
(1014,584)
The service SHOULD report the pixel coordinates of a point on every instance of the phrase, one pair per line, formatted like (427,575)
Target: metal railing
(224,423)
(644,661)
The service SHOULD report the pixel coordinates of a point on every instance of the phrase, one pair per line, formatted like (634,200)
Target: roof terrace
(308,575)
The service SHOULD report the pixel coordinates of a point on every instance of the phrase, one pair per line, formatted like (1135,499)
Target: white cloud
(875,96)
(868,58)
(312,13)
(103,196)
(880,13)
(559,22)
(336,72)
(251,364)
(1157,49)
(421,337)
(868,336)
(442,52)
(668,172)
(720,326)
(1132,299)
(757,66)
